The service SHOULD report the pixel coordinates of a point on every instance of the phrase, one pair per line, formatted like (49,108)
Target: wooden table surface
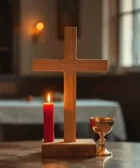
(27,155)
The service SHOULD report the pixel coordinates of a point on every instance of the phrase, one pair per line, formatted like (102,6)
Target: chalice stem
(102,151)
(102,139)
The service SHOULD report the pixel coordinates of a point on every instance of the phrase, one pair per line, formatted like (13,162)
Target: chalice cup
(102,126)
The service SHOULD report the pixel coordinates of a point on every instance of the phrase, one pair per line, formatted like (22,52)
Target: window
(129,33)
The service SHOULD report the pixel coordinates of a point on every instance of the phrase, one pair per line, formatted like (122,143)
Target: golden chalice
(102,126)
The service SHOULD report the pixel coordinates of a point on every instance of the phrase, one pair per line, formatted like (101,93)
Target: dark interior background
(123,88)
(5,37)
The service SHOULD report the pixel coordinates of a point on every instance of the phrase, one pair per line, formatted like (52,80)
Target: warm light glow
(49,97)
(37,29)
(39,26)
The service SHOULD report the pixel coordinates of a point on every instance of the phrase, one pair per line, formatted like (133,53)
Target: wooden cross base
(59,148)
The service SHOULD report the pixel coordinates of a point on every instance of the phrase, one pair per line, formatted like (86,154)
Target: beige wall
(49,46)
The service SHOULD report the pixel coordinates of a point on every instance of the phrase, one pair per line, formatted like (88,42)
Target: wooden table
(27,155)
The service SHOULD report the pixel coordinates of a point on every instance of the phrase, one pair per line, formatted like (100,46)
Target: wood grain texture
(70,65)
(70,43)
(59,148)
(78,65)
(70,107)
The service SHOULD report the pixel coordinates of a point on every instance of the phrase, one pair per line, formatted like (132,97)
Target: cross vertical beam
(70,53)
(70,107)
(70,43)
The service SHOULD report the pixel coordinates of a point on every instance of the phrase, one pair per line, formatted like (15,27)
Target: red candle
(48,109)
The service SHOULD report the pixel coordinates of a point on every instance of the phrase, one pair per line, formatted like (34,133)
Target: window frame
(133,68)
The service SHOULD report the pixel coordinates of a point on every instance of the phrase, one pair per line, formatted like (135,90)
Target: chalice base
(102,151)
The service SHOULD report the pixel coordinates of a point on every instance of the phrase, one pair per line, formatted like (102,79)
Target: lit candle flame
(49,97)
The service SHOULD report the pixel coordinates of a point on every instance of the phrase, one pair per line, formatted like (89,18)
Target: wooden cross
(70,65)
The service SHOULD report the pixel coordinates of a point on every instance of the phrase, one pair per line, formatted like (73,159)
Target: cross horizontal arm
(64,65)
(47,65)
(91,66)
